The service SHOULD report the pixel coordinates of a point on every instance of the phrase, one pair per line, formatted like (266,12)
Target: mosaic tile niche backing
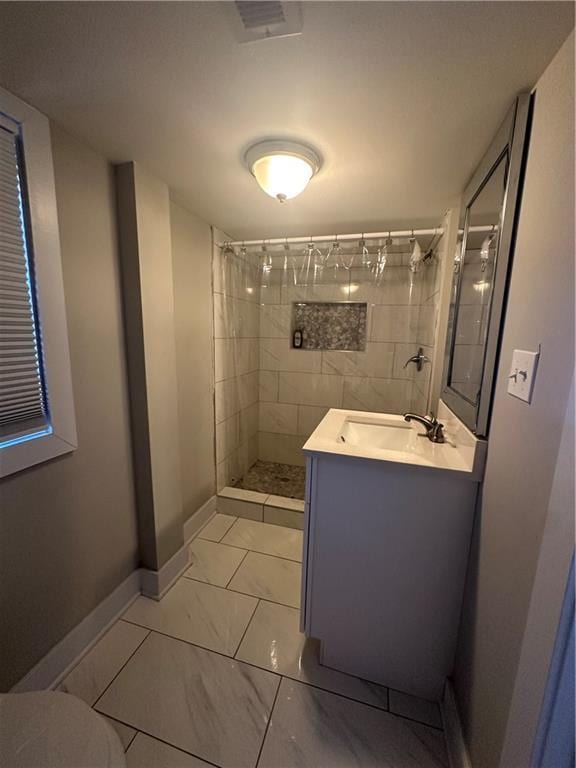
(331,325)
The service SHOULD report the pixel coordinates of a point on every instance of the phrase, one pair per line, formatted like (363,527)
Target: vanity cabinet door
(387,550)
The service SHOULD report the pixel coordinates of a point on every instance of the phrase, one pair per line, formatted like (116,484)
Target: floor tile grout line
(215,541)
(268,723)
(353,700)
(259,552)
(287,528)
(163,741)
(214,586)
(245,631)
(132,739)
(140,644)
(332,692)
(222,544)
(198,580)
(390,689)
(244,556)
(232,526)
(121,722)
(258,597)
(210,650)
(227,529)
(428,701)
(186,575)
(418,722)
(277,557)
(207,523)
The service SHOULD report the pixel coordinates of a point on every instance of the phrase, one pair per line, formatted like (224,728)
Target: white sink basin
(387,437)
(384,436)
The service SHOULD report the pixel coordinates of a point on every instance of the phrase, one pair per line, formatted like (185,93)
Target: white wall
(192,272)
(545,604)
(68,526)
(524,439)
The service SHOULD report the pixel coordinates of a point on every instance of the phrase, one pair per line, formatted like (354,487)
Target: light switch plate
(522,374)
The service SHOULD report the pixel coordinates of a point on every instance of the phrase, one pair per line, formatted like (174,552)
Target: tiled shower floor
(217,673)
(276,479)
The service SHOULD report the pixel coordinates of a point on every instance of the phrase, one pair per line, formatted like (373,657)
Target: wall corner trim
(456,746)
(155,584)
(54,667)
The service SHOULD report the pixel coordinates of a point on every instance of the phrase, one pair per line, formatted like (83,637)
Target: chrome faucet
(419,359)
(434,430)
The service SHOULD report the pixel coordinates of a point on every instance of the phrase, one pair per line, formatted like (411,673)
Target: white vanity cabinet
(385,557)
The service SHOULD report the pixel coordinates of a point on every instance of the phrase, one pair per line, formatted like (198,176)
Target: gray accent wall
(148,291)
(192,273)
(68,527)
(524,439)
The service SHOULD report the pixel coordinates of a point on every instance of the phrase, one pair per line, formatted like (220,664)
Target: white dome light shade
(281,168)
(282,176)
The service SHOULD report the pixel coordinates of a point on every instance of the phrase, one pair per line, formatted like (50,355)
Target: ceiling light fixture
(282,168)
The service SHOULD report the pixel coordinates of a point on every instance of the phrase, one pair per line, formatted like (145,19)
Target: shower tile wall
(297,387)
(236,361)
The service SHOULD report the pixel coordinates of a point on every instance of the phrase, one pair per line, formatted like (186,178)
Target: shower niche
(329,325)
(363,307)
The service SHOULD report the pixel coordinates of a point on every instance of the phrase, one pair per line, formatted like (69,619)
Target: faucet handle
(419,358)
(437,432)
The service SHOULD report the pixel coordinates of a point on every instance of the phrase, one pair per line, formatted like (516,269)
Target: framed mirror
(481,269)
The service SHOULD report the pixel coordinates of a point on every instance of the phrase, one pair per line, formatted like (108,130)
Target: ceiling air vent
(262,20)
(263,14)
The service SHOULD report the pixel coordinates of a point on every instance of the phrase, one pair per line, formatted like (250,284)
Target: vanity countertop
(387,437)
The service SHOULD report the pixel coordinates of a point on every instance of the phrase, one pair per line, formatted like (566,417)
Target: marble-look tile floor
(217,673)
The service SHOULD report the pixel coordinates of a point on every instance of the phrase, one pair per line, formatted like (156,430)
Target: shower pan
(302,325)
(276,479)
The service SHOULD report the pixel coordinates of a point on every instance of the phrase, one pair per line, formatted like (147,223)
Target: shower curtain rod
(357,236)
(340,238)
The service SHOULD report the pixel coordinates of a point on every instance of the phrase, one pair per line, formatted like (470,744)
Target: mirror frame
(511,138)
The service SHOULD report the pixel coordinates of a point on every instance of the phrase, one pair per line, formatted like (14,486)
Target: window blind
(23,404)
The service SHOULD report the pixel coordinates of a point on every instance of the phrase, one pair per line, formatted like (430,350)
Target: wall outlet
(522,374)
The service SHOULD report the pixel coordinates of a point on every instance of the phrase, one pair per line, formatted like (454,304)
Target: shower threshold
(274,479)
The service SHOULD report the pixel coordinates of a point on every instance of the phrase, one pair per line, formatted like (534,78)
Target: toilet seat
(50,729)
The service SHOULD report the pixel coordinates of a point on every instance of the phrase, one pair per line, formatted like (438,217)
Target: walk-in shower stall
(305,325)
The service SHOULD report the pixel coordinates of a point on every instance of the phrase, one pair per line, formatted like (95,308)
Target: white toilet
(50,729)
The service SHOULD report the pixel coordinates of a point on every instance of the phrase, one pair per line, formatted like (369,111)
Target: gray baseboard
(199,519)
(53,667)
(155,584)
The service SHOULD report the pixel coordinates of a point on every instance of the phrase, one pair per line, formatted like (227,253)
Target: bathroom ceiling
(401,99)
